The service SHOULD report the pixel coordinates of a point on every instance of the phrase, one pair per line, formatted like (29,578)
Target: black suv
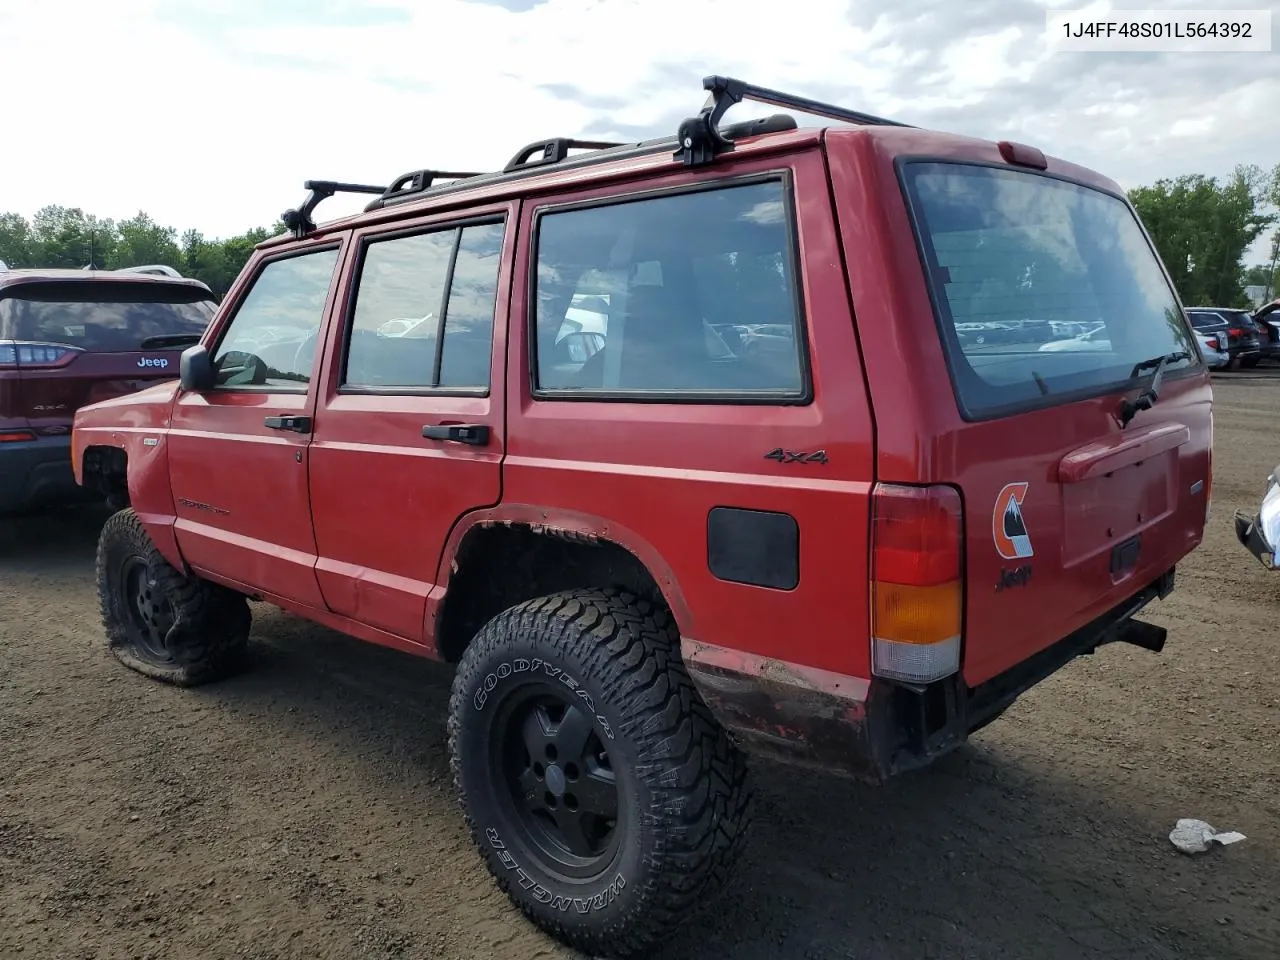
(1244,345)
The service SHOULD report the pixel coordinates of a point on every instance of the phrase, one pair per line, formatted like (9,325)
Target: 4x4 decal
(793,456)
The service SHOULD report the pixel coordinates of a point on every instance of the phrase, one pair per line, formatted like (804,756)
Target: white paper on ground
(1196,836)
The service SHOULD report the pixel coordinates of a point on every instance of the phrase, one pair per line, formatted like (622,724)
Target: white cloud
(211,113)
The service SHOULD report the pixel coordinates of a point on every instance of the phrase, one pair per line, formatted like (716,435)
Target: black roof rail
(553,151)
(701,140)
(416,181)
(298,219)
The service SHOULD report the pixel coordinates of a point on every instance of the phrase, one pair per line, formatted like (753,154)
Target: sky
(211,113)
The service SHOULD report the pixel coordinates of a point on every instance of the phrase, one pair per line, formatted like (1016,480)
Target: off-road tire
(683,797)
(204,627)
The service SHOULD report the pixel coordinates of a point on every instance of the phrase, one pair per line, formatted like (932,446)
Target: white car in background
(1214,350)
(1211,346)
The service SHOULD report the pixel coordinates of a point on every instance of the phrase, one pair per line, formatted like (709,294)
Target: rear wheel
(605,799)
(174,628)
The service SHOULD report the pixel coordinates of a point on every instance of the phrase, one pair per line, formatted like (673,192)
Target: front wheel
(159,622)
(606,800)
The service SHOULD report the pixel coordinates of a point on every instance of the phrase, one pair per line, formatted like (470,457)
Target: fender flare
(575,525)
(147,480)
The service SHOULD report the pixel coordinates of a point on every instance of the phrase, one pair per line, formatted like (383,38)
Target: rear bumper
(877,730)
(36,474)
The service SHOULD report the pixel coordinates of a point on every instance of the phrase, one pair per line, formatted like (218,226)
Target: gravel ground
(304,810)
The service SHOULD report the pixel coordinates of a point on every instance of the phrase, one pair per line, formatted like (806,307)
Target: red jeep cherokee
(674,449)
(73,337)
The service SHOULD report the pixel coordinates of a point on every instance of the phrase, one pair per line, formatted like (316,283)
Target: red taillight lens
(16,436)
(19,353)
(917,581)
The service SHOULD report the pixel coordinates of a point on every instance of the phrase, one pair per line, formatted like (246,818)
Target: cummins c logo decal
(1008,529)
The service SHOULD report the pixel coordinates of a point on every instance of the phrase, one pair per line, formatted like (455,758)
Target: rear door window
(1205,321)
(690,295)
(104,316)
(1046,291)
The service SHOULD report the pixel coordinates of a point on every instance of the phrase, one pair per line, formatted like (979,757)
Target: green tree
(67,237)
(143,241)
(1202,229)
(15,240)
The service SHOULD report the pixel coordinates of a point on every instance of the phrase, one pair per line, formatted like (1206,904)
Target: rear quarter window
(1045,290)
(102,317)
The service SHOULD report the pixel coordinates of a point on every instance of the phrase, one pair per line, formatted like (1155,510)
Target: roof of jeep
(638,159)
(15,276)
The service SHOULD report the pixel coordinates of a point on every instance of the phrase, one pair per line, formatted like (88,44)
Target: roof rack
(159,269)
(417,181)
(553,151)
(299,221)
(701,140)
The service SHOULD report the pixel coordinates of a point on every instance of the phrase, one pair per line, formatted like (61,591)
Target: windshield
(1046,290)
(104,317)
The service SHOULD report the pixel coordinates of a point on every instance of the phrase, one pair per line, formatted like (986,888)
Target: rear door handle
(296,424)
(476,434)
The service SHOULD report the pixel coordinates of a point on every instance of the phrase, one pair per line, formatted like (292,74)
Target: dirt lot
(304,810)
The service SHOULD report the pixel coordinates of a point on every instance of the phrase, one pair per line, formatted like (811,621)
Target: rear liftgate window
(1046,291)
(108,317)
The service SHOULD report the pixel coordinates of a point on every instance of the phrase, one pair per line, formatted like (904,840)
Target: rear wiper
(1148,397)
(168,341)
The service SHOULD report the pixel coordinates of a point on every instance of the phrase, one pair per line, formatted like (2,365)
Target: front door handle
(476,434)
(297,424)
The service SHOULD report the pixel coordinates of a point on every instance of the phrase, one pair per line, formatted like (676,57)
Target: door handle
(476,434)
(296,424)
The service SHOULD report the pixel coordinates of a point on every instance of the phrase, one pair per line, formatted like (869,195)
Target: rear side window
(1205,321)
(104,316)
(424,311)
(1046,290)
(691,295)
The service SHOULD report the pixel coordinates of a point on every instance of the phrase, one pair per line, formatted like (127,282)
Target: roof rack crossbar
(298,219)
(553,151)
(701,140)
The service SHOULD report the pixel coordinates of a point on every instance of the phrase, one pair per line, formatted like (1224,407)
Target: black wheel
(607,802)
(174,628)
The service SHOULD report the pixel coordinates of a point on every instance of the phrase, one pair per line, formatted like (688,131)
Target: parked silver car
(1260,532)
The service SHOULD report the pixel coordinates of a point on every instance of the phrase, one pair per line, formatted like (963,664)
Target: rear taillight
(16,436)
(917,582)
(20,353)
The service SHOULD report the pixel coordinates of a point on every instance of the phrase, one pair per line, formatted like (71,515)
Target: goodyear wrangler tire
(606,801)
(167,626)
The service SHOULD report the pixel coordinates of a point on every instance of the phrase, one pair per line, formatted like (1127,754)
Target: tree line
(1202,226)
(68,237)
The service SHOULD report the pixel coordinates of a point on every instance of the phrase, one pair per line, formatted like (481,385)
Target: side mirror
(196,369)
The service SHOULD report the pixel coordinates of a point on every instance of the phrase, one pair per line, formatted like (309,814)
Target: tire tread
(703,797)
